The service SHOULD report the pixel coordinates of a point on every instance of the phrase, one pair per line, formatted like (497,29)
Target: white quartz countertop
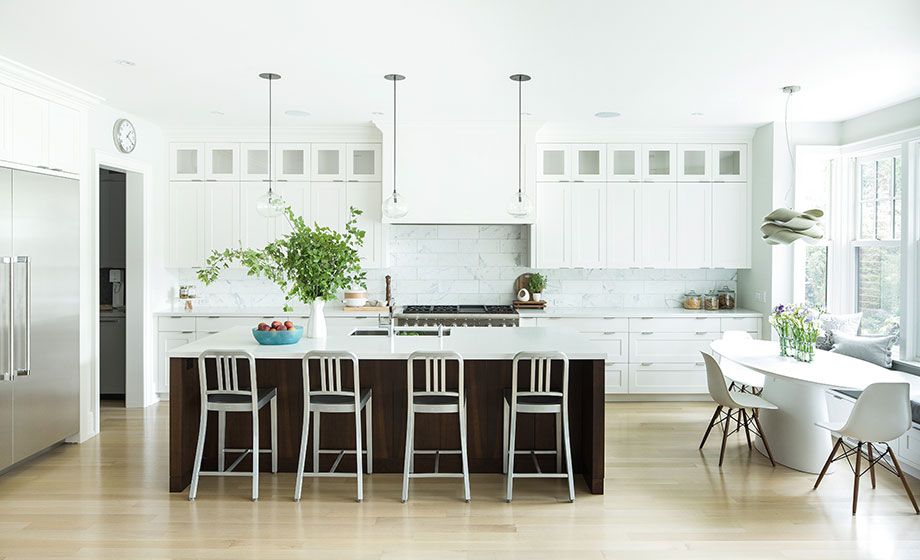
(473,343)
(265,312)
(626,312)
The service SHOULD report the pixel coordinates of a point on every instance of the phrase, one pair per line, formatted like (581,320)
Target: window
(814,182)
(877,242)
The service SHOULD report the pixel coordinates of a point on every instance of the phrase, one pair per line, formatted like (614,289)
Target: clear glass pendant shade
(271,204)
(396,206)
(520,206)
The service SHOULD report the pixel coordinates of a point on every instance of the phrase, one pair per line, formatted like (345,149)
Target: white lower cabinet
(909,447)
(616,378)
(670,347)
(659,377)
(166,341)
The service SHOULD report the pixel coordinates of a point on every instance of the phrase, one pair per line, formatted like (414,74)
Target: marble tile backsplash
(454,264)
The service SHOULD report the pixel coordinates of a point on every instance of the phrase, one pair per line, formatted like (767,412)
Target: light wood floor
(107,499)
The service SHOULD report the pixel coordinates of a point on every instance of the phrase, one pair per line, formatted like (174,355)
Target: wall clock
(124,135)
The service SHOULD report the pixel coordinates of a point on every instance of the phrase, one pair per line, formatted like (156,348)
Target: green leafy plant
(537,283)
(308,263)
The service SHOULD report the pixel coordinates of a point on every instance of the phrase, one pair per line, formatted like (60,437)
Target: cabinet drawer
(669,347)
(675,324)
(587,324)
(217,324)
(680,378)
(616,378)
(750,324)
(909,446)
(616,345)
(176,324)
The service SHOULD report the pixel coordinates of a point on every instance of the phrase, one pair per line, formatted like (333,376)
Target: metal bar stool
(230,397)
(540,399)
(436,398)
(333,397)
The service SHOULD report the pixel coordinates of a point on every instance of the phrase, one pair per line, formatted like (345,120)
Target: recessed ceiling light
(377,113)
(218,113)
(526,114)
(125,62)
(606,114)
(696,114)
(296,113)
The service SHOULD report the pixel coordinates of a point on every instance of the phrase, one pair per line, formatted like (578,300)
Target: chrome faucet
(392,324)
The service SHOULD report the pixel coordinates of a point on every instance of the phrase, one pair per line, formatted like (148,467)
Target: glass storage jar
(711,301)
(726,298)
(693,300)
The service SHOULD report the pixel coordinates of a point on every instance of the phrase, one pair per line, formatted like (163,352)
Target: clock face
(124,135)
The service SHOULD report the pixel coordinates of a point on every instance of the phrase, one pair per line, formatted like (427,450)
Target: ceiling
(655,62)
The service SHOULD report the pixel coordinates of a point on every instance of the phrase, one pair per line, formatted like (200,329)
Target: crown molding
(22,77)
(572,132)
(318,133)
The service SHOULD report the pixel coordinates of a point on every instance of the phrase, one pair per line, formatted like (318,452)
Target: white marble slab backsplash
(452,264)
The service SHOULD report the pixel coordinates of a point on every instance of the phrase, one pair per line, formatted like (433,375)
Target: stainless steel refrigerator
(39,306)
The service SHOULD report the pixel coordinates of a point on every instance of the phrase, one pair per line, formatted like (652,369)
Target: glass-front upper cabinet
(659,162)
(590,162)
(186,162)
(328,162)
(254,161)
(292,162)
(554,162)
(624,162)
(363,161)
(729,162)
(694,163)
(222,162)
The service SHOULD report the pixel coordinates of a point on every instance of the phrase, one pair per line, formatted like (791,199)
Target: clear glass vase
(805,351)
(785,346)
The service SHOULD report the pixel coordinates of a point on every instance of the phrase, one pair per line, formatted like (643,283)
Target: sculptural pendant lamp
(519,206)
(784,226)
(395,206)
(270,204)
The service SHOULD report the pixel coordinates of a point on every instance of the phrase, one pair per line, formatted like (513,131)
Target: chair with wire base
(333,397)
(881,414)
(734,407)
(437,397)
(743,380)
(230,396)
(541,398)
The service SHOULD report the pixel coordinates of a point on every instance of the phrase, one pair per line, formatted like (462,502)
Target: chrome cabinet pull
(646,364)
(9,373)
(700,333)
(647,332)
(28,366)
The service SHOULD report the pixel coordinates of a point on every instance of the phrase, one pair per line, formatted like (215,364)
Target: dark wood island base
(485,381)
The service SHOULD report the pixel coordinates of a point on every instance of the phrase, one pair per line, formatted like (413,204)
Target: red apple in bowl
(289,325)
(263,327)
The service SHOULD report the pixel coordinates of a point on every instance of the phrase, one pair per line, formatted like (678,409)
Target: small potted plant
(311,264)
(537,284)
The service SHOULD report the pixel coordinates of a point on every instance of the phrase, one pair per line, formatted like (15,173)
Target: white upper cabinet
(186,162)
(589,162)
(6,125)
(63,138)
(658,225)
(297,195)
(659,162)
(328,205)
(694,163)
(40,133)
(363,163)
(221,216)
(292,162)
(366,197)
(624,162)
(256,231)
(222,162)
(623,211)
(254,158)
(729,162)
(694,225)
(554,162)
(731,226)
(185,244)
(554,240)
(329,162)
(29,124)
(589,225)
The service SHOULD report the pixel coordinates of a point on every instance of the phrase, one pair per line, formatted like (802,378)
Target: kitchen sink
(399,332)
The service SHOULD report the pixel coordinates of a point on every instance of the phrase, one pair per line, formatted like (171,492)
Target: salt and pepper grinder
(389,293)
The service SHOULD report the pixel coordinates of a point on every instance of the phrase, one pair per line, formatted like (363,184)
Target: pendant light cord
(394,142)
(520,193)
(270,80)
(788,148)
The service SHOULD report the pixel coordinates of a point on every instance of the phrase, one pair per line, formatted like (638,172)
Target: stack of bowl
(355,298)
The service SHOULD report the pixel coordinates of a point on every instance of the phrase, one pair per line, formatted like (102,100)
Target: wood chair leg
(830,459)
(728,419)
(712,423)
(747,430)
(910,494)
(871,464)
(763,437)
(856,475)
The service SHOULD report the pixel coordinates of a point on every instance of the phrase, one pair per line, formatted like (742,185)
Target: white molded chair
(334,397)
(733,406)
(436,398)
(881,414)
(744,379)
(541,398)
(229,396)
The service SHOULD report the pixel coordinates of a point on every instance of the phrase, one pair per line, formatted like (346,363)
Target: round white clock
(124,135)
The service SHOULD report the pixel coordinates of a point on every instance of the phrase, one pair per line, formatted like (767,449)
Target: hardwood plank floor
(108,498)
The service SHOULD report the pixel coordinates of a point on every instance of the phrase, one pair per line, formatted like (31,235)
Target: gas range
(458,316)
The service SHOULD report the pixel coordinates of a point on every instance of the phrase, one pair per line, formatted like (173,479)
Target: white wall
(884,121)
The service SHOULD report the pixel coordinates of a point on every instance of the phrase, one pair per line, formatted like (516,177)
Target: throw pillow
(872,349)
(847,324)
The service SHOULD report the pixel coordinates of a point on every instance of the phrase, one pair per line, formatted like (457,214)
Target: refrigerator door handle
(28,301)
(7,374)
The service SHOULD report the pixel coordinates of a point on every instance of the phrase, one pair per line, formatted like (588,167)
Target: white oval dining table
(798,390)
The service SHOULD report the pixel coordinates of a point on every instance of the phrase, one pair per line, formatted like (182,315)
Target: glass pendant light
(520,206)
(270,204)
(395,206)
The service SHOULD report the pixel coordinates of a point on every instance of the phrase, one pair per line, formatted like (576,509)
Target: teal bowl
(276,338)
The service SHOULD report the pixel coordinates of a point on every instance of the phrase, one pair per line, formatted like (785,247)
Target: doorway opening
(112,287)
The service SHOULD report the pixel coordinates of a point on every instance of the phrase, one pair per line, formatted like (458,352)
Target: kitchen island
(487,354)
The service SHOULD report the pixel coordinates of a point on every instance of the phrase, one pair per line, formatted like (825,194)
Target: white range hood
(457,173)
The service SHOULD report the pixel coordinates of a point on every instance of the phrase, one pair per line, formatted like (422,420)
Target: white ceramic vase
(316,327)
(537,296)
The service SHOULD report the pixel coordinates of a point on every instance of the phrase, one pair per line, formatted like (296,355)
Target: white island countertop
(473,343)
(633,312)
